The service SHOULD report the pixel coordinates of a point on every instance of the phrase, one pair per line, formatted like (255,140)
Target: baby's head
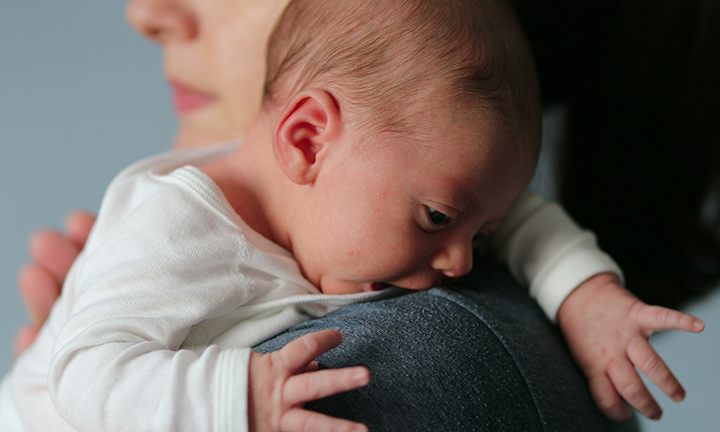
(411,125)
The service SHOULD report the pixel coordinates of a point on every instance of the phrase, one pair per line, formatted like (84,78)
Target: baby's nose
(455,260)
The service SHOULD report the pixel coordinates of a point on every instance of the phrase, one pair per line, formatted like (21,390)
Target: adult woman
(213,52)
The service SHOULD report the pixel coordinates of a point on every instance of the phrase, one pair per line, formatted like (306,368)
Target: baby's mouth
(377,286)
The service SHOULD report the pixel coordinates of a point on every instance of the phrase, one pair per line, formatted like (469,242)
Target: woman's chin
(189,137)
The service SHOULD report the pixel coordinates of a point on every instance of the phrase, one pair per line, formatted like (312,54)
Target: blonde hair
(377,55)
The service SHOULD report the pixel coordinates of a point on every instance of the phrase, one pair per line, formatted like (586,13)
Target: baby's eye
(438,218)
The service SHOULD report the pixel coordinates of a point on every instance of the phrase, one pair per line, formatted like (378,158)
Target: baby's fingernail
(679,396)
(699,325)
(656,416)
(361,376)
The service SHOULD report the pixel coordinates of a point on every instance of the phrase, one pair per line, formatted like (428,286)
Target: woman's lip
(186,99)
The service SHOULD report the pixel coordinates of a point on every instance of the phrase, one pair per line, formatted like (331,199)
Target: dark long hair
(641,158)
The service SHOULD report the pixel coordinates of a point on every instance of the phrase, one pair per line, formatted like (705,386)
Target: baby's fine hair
(379,55)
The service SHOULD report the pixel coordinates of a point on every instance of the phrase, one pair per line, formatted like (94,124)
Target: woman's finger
(296,355)
(25,337)
(53,251)
(300,420)
(317,385)
(644,357)
(39,290)
(78,225)
(607,398)
(633,390)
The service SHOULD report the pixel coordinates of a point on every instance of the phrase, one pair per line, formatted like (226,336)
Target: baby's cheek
(352,253)
(394,262)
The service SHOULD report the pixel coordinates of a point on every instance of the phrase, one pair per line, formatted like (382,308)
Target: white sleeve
(137,292)
(545,249)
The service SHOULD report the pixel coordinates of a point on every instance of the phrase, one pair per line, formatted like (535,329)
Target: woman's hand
(281,382)
(40,283)
(608,331)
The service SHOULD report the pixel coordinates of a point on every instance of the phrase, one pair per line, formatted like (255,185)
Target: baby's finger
(54,252)
(296,355)
(644,357)
(300,420)
(608,399)
(317,385)
(39,290)
(633,390)
(311,367)
(657,318)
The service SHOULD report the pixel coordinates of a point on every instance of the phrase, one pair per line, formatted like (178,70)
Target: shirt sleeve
(137,292)
(545,249)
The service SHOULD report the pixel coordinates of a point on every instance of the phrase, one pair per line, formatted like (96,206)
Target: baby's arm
(129,353)
(546,250)
(117,362)
(130,304)
(279,384)
(562,264)
(40,282)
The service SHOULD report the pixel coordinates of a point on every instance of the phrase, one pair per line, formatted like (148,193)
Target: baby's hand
(607,330)
(282,381)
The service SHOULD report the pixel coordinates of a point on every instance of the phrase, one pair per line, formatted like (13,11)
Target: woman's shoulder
(480,355)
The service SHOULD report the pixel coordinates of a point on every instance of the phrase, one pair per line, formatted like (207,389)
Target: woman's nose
(454,260)
(163,21)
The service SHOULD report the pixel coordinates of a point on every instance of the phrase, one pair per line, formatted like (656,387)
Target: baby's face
(406,212)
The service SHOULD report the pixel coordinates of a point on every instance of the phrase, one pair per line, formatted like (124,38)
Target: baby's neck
(249,178)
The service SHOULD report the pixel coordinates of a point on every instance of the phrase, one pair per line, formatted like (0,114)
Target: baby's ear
(308,127)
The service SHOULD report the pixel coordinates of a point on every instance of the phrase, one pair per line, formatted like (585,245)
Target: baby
(394,137)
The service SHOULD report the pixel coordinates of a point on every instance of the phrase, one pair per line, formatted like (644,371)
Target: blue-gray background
(82,96)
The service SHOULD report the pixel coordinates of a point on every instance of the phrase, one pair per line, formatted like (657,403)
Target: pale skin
(607,329)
